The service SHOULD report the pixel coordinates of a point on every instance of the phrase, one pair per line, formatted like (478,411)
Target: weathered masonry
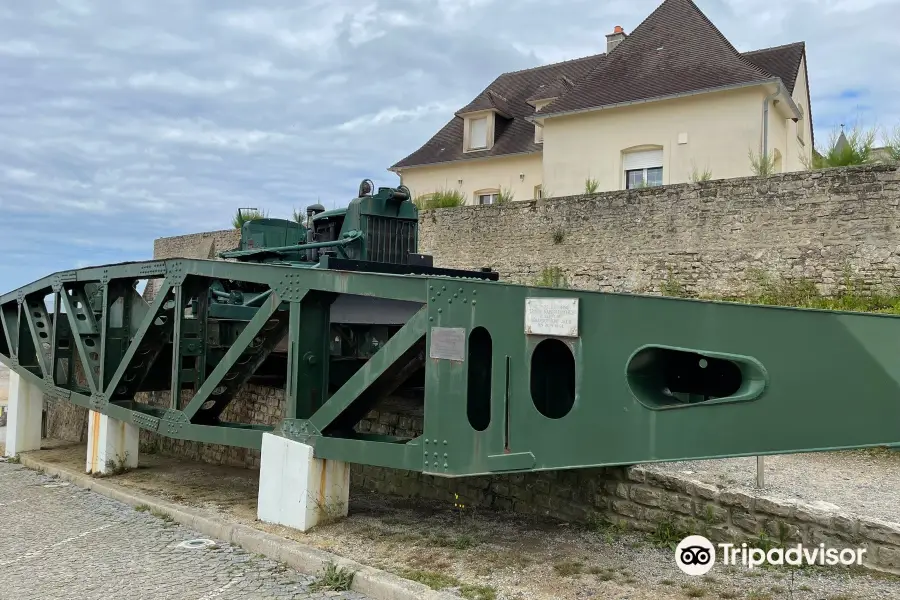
(345,314)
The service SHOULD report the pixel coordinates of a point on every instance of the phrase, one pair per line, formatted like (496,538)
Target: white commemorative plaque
(551,316)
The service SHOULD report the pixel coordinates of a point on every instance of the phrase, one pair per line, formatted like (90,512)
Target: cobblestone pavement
(61,541)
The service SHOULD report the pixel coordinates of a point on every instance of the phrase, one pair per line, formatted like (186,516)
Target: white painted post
(112,444)
(760,472)
(23,424)
(298,490)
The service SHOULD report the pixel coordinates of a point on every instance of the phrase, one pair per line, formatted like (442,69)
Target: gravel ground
(59,541)
(862,482)
(512,556)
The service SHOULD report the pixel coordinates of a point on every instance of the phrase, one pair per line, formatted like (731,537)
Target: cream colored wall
(493,173)
(721,127)
(783,131)
(797,151)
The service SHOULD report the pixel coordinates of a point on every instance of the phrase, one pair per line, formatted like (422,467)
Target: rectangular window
(638,178)
(538,192)
(478,133)
(800,127)
(643,169)
(487,198)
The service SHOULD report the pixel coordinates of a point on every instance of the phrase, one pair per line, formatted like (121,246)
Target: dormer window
(480,121)
(539,128)
(478,133)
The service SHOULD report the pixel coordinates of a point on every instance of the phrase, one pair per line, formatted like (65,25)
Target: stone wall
(708,236)
(67,421)
(195,244)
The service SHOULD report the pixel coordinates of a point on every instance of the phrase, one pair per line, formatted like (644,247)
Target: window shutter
(479,133)
(648,159)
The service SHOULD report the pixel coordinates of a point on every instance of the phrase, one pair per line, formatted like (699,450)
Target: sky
(125,121)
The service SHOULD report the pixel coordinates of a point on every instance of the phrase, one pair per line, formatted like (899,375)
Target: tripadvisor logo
(696,555)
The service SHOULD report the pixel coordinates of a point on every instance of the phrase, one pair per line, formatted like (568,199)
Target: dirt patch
(488,555)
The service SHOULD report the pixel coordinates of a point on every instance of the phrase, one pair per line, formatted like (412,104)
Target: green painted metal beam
(357,387)
(150,320)
(214,385)
(515,378)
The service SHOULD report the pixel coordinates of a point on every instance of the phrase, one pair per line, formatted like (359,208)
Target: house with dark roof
(669,103)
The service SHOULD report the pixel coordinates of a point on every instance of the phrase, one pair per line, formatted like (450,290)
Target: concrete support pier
(23,424)
(298,490)
(112,444)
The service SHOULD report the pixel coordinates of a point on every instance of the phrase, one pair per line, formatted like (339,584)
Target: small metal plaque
(551,316)
(448,343)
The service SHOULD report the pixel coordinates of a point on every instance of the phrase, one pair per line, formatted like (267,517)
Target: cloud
(131,120)
(392,114)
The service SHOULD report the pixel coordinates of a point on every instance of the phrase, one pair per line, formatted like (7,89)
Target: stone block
(627,509)
(747,522)
(114,445)
(706,491)
(775,507)
(501,489)
(23,427)
(668,482)
(710,513)
(645,495)
(636,474)
(880,531)
(818,513)
(298,490)
(737,500)
(678,503)
(846,524)
(784,531)
(829,537)
(888,557)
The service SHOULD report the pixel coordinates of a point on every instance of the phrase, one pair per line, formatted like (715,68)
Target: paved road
(61,541)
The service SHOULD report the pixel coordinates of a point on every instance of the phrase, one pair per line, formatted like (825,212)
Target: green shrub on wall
(440,199)
(799,292)
(552,277)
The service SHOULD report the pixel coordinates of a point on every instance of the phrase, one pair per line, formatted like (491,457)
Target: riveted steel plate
(551,316)
(98,402)
(172,422)
(448,343)
(55,394)
(156,268)
(145,421)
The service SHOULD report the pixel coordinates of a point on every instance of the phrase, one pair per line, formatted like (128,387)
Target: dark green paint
(645,379)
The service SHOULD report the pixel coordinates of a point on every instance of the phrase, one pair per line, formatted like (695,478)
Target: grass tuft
(440,199)
(334,579)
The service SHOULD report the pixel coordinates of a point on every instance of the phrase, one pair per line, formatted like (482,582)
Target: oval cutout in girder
(478,393)
(665,377)
(553,378)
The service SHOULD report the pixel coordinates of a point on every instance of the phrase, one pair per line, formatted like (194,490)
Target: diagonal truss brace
(39,325)
(8,333)
(360,382)
(85,334)
(137,368)
(241,360)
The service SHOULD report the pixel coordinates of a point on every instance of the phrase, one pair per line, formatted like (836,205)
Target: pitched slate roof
(512,135)
(487,100)
(781,61)
(675,50)
(553,90)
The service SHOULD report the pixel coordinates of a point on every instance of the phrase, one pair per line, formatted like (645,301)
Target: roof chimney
(615,38)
